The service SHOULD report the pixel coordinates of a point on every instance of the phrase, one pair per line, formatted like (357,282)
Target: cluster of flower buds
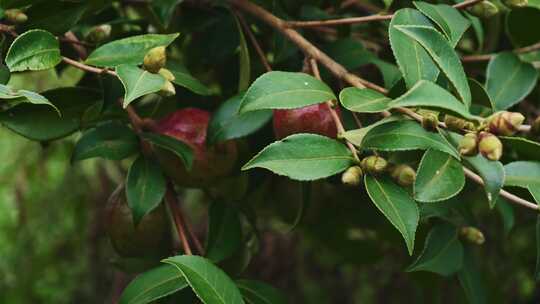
(403,175)
(99,33)
(15,16)
(505,123)
(458,124)
(154,62)
(430,119)
(484,9)
(472,235)
(486,143)
(374,164)
(168,88)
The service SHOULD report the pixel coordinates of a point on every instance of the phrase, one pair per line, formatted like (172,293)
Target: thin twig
(170,199)
(333,113)
(340,72)
(363,19)
(75,44)
(255,43)
(487,57)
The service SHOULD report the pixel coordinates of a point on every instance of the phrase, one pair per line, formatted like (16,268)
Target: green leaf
(111,140)
(479,94)
(183,78)
(145,187)
(537,270)
(285,90)
(509,80)
(138,82)
(20,96)
(227,124)
(405,135)
(364,100)
(524,174)
(303,157)
(396,205)
(244,61)
(471,280)
(428,95)
(443,252)
(128,51)
(56,17)
(178,147)
(224,232)
(38,122)
(210,283)
(255,292)
(439,177)
(357,136)
(449,19)
(152,285)
(33,50)
(525,148)
(413,61)
(444,55)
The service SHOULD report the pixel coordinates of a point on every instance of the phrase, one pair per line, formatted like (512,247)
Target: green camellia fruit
(151,238)
(210,163)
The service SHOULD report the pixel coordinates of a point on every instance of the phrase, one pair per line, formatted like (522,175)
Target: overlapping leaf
(440,176)
(33,50)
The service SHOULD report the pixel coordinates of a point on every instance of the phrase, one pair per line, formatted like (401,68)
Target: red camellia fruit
(310,119)
(209,163)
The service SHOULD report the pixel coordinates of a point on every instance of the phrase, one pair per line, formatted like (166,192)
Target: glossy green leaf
(39,122)
(303,157)
(226,123)
(152,285)
(413,61)
(449,19)
(471,280)
(128,51)
(357,136)
(111,140)
(285,90)
(428,95)
(479,94)
(183,78)
(209,283)
(178,147)
(54,16)
(138,82)
(444,56)
(22,96)
(364,100)
(255,292)
(439,177)
(145,187)
(396,205)
(224,232)
(524,174)
(33,50)
(443,252)
(526,149)
(405,135)
(509,80)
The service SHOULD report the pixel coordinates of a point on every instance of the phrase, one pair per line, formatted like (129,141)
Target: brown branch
(487,57)
(363,19)
(76,44)
(172,203)
(340,72)
(255,43)
(333,113)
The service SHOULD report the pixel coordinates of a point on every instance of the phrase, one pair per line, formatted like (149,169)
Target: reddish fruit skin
(310,119)
(209,163)
(151,238)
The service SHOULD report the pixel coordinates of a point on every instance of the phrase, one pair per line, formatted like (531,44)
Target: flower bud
(404,175)
(374,164)
(168,75)
(490,146)
(99,33)
(515,3)
(484,9)
(430,120)
(167,89)
(469,144)
(155,59)
(15,16)
(352,176)
(505,123)
(458,124)
(472,235)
